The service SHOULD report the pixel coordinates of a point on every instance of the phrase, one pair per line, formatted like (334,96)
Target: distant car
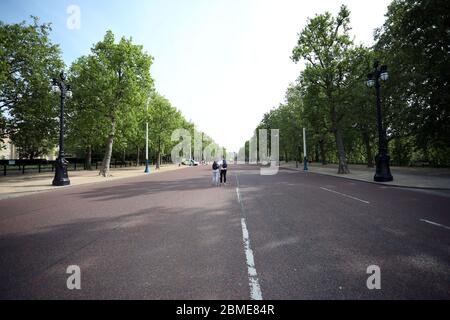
(189,162)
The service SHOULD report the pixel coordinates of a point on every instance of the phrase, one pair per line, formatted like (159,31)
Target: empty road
(173,236)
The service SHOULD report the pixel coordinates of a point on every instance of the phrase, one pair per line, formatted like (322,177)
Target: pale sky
(222,63)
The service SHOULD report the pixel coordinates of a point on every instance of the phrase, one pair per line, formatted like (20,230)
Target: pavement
(20,185)
(172,235)
(406,177)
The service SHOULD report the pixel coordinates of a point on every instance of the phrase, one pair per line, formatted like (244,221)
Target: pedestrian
(215,173)
(223,171)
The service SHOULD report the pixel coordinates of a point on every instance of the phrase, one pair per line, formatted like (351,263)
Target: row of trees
(112,91)
(331,100)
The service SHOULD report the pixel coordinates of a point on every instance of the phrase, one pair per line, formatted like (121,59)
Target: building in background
(7,150)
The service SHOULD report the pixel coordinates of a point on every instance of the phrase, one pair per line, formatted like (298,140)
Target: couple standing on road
(219,168)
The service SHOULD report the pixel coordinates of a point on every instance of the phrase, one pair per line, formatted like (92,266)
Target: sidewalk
(20,185)
(423,178)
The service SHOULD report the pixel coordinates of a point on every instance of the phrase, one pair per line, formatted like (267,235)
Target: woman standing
(215,173)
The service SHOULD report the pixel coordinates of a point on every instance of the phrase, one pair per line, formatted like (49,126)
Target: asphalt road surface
(174,236)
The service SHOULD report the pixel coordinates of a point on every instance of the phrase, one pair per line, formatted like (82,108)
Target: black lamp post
(383,172)
(59,86)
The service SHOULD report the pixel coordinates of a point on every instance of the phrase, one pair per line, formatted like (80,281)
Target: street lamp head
(383,73)
(69,91)
(55,86)
(370,80)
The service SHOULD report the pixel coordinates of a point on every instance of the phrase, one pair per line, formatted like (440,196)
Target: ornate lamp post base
(61,176)
(383,172)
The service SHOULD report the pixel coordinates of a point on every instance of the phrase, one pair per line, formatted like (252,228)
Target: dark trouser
(223,175)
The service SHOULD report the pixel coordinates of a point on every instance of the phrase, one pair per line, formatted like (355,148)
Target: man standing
(223,171)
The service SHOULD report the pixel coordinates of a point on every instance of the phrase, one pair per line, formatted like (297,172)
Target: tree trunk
(137,158)
(322,151)
(104,170)
(366,139)
(88,158)
(342,167)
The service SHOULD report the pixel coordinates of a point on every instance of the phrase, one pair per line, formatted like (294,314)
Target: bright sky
(223,63)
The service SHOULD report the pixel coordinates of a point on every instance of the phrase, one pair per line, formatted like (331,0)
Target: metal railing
(23,166)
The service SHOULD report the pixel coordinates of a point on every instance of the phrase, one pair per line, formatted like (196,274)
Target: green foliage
(86,125)
(414,41)
(28,60)
(325,45)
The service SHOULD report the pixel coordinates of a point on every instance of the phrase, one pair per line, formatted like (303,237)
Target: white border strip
(345,195)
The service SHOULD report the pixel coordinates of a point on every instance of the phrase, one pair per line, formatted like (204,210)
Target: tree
(324,44)
(163,119)
(361,102)
(414,42)
(28,60)
(314,117)
(122,72)
(86,125)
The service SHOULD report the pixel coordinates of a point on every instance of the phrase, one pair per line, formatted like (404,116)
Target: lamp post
(382,159)
(59,86)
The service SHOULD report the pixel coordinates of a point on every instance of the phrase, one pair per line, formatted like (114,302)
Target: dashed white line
(345,195)
(435,224)
(255,289)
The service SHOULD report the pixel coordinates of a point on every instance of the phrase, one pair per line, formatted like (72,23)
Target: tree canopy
(28,60)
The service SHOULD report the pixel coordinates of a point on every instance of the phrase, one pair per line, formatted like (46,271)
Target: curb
(372,182)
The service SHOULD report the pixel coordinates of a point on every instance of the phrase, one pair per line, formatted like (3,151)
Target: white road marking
(255,289)
(345,195)
(435,224)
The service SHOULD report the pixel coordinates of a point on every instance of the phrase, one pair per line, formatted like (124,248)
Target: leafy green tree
(122,74)
(163,119)
(315,117)
(28,60)
(325,44)
(361,101)
(414,41)
(86,124)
